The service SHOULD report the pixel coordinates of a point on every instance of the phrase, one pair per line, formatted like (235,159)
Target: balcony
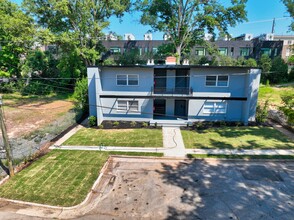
(172,91)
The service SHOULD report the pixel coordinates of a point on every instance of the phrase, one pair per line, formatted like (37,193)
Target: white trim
(216,82)
(128,106)
(214,107)
(127,78)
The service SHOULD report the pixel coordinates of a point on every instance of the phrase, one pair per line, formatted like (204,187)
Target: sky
(260,14)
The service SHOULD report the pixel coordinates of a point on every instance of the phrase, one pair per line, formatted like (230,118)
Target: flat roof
(175,67)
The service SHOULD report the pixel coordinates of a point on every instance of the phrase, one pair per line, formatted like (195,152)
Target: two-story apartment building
(173,92)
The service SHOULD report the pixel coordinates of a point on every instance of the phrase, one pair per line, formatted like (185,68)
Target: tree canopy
(16,37)
(290,8)
(185,21)
(77,24)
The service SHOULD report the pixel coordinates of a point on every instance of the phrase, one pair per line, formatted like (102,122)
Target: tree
(290,7)
(288,106)
(266,64)
(251,62)
(77,24)
(279,71)
(16,37)
(185,21)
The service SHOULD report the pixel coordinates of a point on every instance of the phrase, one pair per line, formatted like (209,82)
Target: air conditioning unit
(148,36)
(269,36)
(248,37)
(129,37)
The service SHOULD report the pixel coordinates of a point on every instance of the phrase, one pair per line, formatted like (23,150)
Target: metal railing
(172,91)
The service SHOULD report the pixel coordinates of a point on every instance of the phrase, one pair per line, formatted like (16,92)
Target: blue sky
(259,13)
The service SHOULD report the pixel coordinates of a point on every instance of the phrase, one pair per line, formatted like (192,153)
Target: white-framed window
(217,80)
(215,107)
(115,50)
(223,51)
(127,105)
(200,51)
(127,79)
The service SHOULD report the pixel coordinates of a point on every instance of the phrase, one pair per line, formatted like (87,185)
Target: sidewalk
(173,142)
(240,152)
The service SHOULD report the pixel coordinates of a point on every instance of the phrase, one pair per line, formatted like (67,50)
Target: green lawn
(117,137)
(272,94)
(237,138)
(60,178)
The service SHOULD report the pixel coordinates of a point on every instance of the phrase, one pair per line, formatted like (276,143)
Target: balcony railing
(172,91)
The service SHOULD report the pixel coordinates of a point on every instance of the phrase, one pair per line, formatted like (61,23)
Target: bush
(100,126)
(81,95)
(262,112)
(144,124)
(288,106)
(133,124)
(115,124)
(92,121)
(37,88)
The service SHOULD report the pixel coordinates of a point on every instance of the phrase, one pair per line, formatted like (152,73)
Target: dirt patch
(24,119)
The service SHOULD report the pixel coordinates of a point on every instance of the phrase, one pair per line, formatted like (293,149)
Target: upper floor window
(244,51)
(115,50)
(223,51)
(200,51)
(154,50)
(289,42)
(125,105)
(267,51)
(127,79)
(215,108)
(219,80)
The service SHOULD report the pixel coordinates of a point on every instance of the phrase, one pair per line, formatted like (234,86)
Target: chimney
(171,61)
(186,62)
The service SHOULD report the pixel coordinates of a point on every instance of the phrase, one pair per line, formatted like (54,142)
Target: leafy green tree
(81,96)
(16,37)
(279,71)
(185,21)
(251,62)
(266,64)
(77,24)
(291,60)
(130,57)
(290,7)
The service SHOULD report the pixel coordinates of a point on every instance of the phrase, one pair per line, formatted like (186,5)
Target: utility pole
(273,26)
(5,141)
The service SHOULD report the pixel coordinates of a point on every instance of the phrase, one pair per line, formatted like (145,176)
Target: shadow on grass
(240,140)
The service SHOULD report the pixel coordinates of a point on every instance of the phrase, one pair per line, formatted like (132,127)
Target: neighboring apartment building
(288,45)
(182,93)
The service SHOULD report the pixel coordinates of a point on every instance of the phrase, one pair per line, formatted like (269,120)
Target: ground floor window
(215,107)
(125,105)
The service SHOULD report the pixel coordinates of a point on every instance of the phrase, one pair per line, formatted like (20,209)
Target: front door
(159,108)
(181,109)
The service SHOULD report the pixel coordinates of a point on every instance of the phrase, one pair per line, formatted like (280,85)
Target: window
(140,51)
(154,50)
(124,106)
(221,81)
(215,108)
(289,42)
(244,51)
(146,50)
(266,51)
(127,79)
(232,51)
(223,51)
(200,51)
(115,50)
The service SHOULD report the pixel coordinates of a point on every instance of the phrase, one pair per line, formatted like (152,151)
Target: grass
(237,138)
(272,94)
(60,178)
(117,137)
(248,157)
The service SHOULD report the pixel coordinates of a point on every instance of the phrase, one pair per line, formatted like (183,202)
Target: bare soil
(24,118)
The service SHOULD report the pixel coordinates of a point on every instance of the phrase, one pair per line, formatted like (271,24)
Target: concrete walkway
(240,152)
(173,142)
(280,128)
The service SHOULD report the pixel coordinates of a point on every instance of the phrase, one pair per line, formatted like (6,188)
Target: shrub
(81,95)
(92,121)
(100,126)
(288,106)
(115,124)
(262,112)
(144,124)
(37,88)
(133,124)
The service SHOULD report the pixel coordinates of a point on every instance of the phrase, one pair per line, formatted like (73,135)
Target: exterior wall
(110,111)
(243,82)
